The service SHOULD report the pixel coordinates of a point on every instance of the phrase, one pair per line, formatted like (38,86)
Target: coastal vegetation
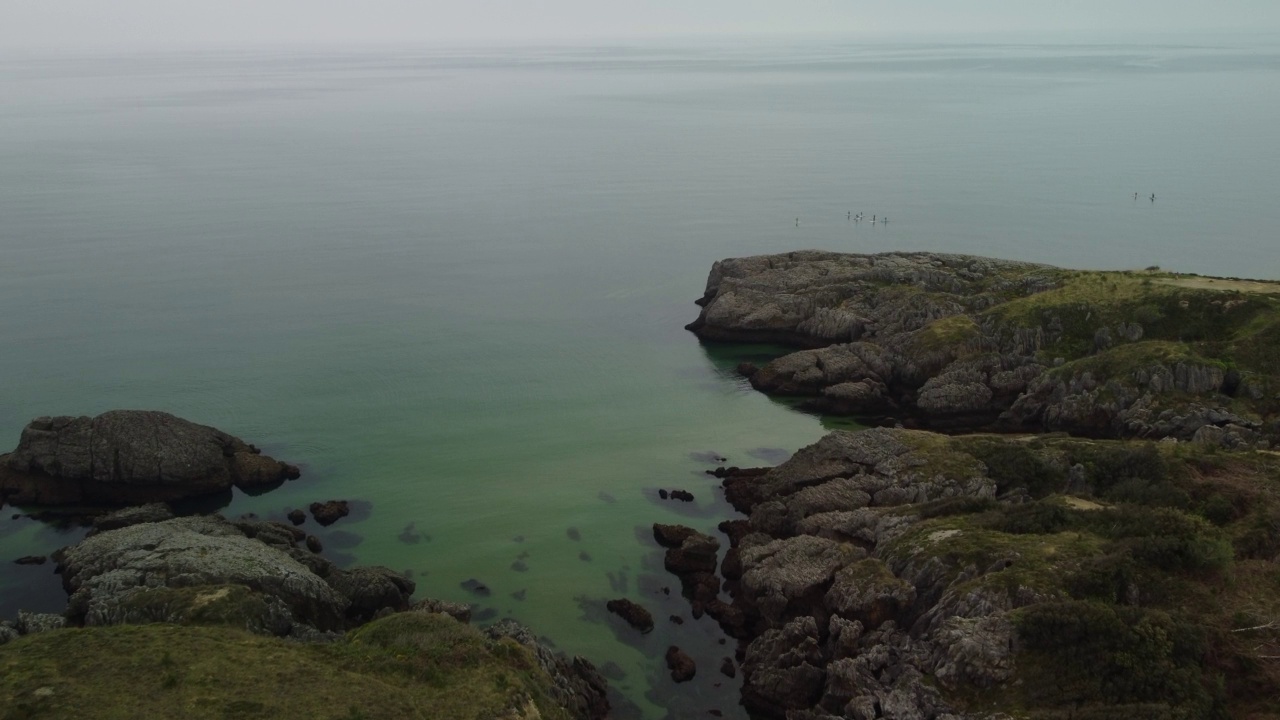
(407,665)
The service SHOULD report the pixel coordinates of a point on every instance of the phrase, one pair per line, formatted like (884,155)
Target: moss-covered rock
(1058,577)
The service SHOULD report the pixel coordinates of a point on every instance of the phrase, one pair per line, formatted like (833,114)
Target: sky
(85,24)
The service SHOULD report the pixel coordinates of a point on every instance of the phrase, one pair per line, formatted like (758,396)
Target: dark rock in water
(728,669)
(476,587)
(584,556)
(329,512)
(524,555)
(410,534)
(520,594)
(518,538)
(670,536)
(635,615)
(152,512)
(683,495)
(31,560)
(680,664)
(129,457)
(663,494)
(484,615)
(520,566)
(576,684)
(314,544)
(573,533)
(677,619)
(297,516)
(692,557)
(606,497)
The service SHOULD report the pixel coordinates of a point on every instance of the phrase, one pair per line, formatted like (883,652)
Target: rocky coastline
(1110,552)
(958,343)
(200,579)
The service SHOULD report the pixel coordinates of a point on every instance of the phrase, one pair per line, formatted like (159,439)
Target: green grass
(408,666)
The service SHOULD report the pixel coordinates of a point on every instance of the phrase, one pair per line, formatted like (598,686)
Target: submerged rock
(680,664)
(635,615)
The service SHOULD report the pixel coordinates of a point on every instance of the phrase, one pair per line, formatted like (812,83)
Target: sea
(451,283)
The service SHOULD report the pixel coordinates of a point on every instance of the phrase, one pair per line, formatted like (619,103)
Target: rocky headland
(960,343)
(899,573)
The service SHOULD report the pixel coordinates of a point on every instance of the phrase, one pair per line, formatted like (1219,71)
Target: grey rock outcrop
(250,572)
(29,623)
(577,685)
(836,622)
(129,457)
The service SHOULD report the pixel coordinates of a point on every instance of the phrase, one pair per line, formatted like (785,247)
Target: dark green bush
(1093,653)
(1013,465)
(1037,518)
(1163,538)
(1261,538)
(1218,510)
(1110,465)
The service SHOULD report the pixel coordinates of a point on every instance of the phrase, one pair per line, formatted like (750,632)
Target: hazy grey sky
(72,24)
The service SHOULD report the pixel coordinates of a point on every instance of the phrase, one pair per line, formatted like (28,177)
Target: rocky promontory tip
(961,343)
(130,457)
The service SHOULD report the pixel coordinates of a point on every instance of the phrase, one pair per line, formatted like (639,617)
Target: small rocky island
(130,457)
(200,616)
(1096,536)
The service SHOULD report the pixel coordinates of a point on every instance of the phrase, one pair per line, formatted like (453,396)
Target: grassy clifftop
(408,665)
(1142,578)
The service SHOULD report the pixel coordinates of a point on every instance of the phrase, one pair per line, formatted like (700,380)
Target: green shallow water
(452,285)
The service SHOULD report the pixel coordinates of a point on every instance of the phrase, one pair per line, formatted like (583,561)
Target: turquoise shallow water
(452,284)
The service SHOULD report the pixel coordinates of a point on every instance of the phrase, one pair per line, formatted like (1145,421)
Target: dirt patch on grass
(1224,284)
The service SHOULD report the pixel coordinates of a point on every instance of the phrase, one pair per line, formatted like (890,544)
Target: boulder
(371,589)
(129,457)
(104,572)
(458,611)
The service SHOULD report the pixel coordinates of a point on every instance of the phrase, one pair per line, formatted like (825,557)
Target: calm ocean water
(452,284)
